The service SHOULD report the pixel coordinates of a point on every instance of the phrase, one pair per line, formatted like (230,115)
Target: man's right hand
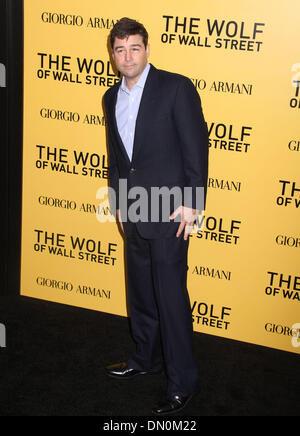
(120,219)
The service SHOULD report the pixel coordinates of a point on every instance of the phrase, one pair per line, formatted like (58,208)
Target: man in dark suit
(157,138)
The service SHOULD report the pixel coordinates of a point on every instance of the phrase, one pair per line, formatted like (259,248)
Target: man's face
(130,56)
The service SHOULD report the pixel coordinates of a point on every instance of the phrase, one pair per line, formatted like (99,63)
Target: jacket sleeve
(193,134)
(113,171)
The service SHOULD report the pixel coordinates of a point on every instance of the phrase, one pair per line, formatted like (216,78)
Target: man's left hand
(188,218)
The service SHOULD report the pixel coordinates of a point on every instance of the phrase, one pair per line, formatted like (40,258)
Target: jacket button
(132,170)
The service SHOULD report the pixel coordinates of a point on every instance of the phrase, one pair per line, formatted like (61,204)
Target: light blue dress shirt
(127,107)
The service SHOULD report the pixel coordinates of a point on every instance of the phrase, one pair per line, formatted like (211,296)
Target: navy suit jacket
(170,148)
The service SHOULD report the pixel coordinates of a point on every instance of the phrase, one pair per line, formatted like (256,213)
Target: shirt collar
(141,82)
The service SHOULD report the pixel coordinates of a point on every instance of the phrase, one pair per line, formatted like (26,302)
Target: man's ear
(148,50)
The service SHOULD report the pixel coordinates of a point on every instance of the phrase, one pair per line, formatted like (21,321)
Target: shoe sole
(120,377)
(173,411)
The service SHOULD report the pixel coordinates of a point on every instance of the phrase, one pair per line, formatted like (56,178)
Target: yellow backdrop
(243,58)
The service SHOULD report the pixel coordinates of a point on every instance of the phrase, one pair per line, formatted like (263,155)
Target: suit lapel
(147,107)
(114,122)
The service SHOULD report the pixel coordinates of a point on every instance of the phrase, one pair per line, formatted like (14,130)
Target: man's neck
(131,82)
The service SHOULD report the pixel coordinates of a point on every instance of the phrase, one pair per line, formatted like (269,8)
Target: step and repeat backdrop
(243,58)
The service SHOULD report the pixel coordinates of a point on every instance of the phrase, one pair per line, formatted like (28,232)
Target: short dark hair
(127,27)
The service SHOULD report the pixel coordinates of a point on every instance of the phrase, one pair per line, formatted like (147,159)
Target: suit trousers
(160,310)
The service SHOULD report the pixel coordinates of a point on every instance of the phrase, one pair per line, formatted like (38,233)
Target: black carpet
(55,354)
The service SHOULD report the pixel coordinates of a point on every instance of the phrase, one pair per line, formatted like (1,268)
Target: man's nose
(128,56)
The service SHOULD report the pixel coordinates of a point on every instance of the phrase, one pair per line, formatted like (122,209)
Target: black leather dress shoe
(121,371)
(172,404)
